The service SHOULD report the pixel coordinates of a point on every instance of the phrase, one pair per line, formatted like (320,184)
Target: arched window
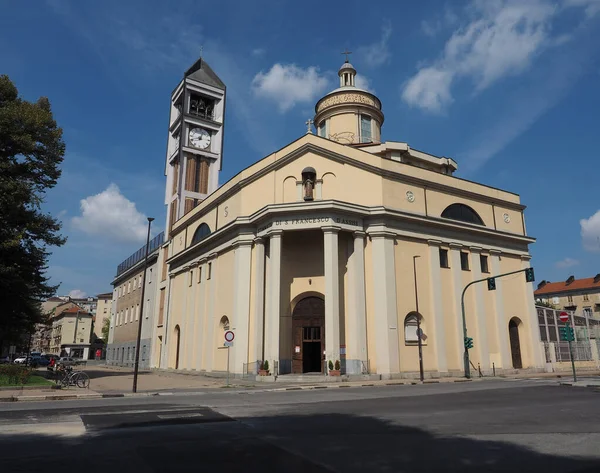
(410,328)
(201,233)
(463,213)
(224,324)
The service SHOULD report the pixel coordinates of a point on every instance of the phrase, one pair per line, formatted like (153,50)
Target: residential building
(578,295)
(71,331)
(89,304)
(127,313)
(103,312)
(333,248)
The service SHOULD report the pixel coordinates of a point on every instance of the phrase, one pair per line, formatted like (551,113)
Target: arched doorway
(515,344)
(308,332)
(177,344)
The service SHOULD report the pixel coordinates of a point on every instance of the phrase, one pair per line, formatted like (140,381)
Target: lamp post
(419,341)
(139,334)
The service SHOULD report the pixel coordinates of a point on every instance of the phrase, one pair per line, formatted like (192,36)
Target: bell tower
(195,140)
(349,115)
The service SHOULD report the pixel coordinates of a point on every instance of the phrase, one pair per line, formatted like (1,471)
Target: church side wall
(406,303)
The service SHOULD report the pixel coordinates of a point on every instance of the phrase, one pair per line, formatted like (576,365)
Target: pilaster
(386,317)
(481,340)
(439,336)
(457,285)
(356,326)
(272,321)
(501,320)
(537,357)
(259,298)
(241,303)
(332,294)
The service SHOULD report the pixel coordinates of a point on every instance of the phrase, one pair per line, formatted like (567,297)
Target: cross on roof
(309,122)
(346,52)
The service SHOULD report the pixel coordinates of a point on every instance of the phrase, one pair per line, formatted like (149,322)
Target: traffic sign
(229,336)
(564,317)
(228,344)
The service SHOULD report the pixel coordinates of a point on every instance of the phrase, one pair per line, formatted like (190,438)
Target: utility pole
(419,340)
(139,334)
(491,282)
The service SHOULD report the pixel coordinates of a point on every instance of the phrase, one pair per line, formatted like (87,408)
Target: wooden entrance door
(515,344)
(308,332)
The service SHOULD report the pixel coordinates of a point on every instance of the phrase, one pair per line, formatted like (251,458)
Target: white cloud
(501,39)
(77,294)
(567,263)
(592,7)
(111,215)
(258,52)
(429,89)
(378,53)
(434,26)
(363,82)
(590,232)
(288,84)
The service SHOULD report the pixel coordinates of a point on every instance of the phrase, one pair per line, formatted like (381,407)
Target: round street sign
(564,317)
(229,336)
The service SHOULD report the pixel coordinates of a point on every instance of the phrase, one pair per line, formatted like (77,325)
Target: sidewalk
(108,382)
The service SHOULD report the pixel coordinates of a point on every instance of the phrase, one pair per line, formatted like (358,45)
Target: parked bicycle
(65,376)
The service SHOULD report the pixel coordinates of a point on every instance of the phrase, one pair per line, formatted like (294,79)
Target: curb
(282,389)
(570,383)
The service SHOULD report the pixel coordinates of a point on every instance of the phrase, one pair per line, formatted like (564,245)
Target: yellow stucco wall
(302,257)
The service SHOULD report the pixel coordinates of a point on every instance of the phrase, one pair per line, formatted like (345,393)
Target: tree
(31,150)
(105,329)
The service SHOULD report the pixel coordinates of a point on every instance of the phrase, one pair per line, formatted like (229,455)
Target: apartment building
(126,307)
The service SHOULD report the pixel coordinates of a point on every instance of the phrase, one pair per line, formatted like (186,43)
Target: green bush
(337,365)
(330,365)
(15,374)
(265,365)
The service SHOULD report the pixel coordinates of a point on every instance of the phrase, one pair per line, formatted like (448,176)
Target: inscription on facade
(293,222)
(347,98)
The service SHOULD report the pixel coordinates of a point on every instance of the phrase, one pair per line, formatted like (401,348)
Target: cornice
(310,147)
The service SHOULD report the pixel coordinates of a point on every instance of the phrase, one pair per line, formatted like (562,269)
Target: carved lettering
(347,98)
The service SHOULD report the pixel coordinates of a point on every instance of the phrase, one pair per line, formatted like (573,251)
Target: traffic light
(529,275)
(491,284)
(468,343)
(566,334)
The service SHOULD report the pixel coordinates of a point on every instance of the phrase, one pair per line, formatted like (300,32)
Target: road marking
(139,411)
(179,416)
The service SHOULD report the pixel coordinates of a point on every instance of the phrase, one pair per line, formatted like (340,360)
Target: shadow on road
(290,444)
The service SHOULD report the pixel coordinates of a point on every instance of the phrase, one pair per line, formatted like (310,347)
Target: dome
(309,170)
(346,67)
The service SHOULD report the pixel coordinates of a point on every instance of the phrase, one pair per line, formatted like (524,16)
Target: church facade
(336,248)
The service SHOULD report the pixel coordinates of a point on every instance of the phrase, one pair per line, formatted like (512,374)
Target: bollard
(494,369)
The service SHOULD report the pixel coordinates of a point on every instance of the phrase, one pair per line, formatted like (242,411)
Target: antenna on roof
(201,50)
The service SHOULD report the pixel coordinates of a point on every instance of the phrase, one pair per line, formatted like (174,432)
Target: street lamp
(139,334)
(419,341)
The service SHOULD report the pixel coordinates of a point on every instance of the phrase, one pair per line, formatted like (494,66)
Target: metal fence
(251,369)
(585,324)
(582,351)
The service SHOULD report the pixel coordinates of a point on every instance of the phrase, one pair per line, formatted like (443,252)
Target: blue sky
(507,88)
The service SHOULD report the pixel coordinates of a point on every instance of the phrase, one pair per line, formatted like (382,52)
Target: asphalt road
(523,426)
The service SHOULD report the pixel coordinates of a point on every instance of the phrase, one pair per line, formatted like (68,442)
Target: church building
(340,246)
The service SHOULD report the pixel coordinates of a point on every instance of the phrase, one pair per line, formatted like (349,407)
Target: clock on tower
(194,156)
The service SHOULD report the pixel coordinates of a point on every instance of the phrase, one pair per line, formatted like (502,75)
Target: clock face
(199,138)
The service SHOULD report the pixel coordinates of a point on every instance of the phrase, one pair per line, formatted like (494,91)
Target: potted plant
(264,369)
(334,370)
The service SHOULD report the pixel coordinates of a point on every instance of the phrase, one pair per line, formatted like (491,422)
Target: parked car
(21,360)
(39,361)
(66,361)
(4,360)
